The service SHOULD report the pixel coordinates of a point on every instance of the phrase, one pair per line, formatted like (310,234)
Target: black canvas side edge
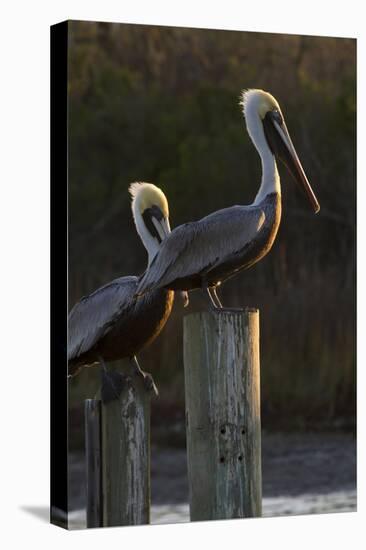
(59,270)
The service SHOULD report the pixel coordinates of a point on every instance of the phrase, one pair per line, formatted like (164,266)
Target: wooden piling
(222,387)
(125,429)
(93,452)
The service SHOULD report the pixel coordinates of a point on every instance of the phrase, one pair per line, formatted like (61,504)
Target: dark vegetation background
(161,104)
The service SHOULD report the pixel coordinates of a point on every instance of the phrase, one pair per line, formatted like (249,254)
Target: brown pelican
(205,253)
(110,323)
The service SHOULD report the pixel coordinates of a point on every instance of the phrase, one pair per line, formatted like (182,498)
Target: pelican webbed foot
(147,378)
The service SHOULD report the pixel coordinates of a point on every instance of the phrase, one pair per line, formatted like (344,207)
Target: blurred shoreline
(301,473)
(339,502)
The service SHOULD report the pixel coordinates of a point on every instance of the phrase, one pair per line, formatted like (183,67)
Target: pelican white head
(258,101)
(267,129)
(151,215)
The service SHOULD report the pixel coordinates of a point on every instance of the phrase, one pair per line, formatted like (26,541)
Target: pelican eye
(277,116)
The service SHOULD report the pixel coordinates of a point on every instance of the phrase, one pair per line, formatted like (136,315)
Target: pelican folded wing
(194,250)
(92,317)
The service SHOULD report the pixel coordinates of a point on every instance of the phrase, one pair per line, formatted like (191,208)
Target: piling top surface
(235,312)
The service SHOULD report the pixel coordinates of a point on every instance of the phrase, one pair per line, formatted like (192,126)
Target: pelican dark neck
(272,201)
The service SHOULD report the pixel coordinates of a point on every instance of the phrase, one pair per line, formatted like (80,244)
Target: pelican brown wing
(95,314)
(194,249)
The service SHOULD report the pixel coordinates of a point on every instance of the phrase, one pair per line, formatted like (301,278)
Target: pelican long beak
(282,147)
(162,227)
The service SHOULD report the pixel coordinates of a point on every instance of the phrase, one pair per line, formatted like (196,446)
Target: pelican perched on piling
(110,324)
(205,253)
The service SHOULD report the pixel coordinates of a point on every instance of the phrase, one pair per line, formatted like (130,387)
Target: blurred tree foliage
(161,104)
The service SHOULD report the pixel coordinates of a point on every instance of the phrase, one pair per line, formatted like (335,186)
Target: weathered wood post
(125,429)
(222,387)
(93,457)
(117,435)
